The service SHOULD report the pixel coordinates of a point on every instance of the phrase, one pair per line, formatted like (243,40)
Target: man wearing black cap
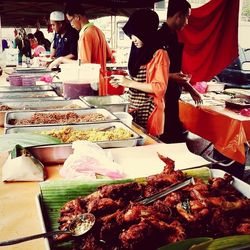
(177,17)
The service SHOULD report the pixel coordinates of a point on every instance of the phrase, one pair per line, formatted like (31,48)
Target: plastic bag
(22,166)
(201,87)
(89,160)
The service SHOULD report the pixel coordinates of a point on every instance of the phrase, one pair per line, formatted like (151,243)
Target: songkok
(57,16)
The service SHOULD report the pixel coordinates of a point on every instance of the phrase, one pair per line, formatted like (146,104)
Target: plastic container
(112,90)
(28,80)
(74,89)
(15,80)
(213,86)
(124,117)
(87,72)
(79,80)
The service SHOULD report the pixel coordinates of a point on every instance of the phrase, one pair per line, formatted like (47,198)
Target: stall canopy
(28,13)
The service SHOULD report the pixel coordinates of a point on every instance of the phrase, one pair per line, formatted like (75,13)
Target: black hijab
(142,23)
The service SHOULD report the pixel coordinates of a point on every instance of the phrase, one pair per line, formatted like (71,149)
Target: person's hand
(119,80)
(196,96)
(178,77)
(55,63)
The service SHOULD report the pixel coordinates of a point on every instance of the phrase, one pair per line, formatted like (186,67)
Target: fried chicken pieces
(214,209)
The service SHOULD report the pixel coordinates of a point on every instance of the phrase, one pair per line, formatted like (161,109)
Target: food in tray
(27,96)
(238,103)
(39,95)
(28,107)
(71,106)
(211,209)
(69,134)
(53,117)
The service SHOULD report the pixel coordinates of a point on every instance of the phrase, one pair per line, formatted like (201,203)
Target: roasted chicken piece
(172,199)
(76,205)
(135,213)
(168,175)
(102,206)
(164,180)
(193,210)
(237,204)
(243,228)
(222,223)
(138,236)
(127,191)
(169,168)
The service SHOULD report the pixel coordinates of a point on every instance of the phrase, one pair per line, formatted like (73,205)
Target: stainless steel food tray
(25,88)
(38,104)
(238,103)
(113,103)
(35,99)
(33,94)
(51,154)
(32,70)
(28,114)
(45,214)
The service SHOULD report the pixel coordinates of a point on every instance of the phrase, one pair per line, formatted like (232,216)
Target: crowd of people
(155,79)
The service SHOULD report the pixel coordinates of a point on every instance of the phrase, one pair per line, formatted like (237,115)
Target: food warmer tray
(28,114)
(32,70)
(25,88)
(33,94)
(238,103)
(34,99)
(240,185)
(51,154)
(42,104)
(113,103)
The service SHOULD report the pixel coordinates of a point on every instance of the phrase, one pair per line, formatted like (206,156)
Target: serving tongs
(106,128)
(166,191)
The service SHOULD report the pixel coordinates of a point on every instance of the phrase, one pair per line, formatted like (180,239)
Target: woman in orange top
(148,68)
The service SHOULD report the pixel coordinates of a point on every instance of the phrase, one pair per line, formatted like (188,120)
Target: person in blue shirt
(65,39)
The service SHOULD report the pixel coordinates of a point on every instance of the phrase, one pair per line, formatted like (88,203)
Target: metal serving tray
(113,103)
(32,70)
(33,94)
(28,114)
(34,99)
(51,154)
(39,104)
(47,226)
(25,88)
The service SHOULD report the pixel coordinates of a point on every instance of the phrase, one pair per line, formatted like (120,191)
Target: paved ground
(200,146)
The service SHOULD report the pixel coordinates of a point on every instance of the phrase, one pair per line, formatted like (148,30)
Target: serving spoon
(79,226)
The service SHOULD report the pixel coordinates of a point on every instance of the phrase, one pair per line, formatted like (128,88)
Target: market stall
(227,129)
(20,213)
(23,213)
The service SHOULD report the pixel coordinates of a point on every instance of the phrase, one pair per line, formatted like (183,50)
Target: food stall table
(227,130)
(19,204)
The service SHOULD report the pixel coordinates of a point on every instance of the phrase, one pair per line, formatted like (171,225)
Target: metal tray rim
(111,118)
(137,136)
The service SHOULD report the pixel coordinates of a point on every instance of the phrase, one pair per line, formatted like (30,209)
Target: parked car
(237,74)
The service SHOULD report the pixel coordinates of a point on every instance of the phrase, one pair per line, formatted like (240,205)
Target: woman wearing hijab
(148,69)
